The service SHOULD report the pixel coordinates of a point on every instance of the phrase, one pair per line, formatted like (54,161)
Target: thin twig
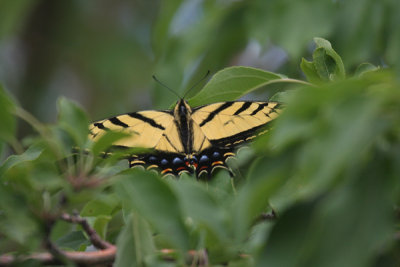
(95,239)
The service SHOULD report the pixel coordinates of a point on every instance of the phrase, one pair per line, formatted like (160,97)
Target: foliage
(329,168)
(102,54)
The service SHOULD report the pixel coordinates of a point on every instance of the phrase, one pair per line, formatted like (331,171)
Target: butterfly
(185,139)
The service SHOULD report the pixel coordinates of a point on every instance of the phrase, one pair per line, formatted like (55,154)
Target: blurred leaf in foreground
(154,200)
(339,143)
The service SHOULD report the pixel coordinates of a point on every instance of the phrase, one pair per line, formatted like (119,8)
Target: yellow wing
(147,129)
(227,124)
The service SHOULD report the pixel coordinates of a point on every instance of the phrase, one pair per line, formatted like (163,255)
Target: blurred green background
(103,53)
(329,167)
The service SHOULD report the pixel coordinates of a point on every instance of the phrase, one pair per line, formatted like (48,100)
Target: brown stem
(81,258)
(55,256)
(95,239)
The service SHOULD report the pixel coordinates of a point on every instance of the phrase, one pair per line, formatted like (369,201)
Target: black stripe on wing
(259,108)
(243,108)
(146,120)
(117,122)
(100,126)
(215,112)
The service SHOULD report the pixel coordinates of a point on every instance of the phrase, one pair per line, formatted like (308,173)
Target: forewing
(145,128)
(229,123)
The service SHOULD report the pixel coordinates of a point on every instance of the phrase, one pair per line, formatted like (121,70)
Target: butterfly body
(189,140)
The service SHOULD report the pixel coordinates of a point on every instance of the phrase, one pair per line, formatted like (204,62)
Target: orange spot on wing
(166,170)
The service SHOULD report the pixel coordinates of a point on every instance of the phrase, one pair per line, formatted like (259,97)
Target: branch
(81,258)
(95,239)
(55,256)
(107,251)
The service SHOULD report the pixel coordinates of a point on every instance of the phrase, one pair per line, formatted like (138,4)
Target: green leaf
(267,176)
(106,141)
(282,97)
(154,200)
(287,238)
(100,225)
(198,203)
(31,154)
(232,83)
(345,227)
(100,211)
(8,122)
(348,123)
(73,240)
(134,243)
(104,205)
(324,64)
(327,62)
(364,68)
(17,222)
(310,71)
(73,120)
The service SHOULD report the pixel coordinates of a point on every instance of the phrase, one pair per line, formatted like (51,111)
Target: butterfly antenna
(197,83)
(158,81)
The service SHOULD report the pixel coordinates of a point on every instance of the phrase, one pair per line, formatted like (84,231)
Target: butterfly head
(182,109)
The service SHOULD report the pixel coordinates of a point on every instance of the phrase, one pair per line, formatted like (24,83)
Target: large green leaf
(154,200)
(232,83)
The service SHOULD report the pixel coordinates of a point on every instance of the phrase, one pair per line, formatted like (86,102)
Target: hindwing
(228,124)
